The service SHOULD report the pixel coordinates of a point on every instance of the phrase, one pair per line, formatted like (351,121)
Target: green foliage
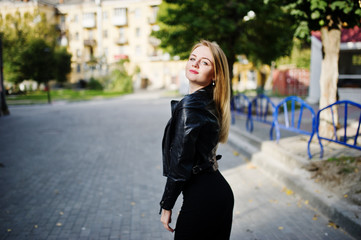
(300,56)
(37,61)
(62,61)
(348,163)
(36,97)
(120,80)
(264,38)
(269,36)
(94,84)
(17,31)
(314,14)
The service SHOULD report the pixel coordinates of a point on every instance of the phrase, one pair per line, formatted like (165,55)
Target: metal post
(3,106)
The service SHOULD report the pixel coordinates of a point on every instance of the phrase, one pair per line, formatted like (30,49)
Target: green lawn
(41,97)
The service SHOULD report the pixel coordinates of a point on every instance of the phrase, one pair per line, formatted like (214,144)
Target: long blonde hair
(221,90)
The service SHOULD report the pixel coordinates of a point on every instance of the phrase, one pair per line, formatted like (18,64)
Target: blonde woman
(199,122)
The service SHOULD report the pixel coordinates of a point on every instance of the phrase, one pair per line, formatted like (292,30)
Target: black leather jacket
(189,143)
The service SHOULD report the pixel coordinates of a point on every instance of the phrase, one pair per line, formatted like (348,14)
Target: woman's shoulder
(196,100)
(196,108)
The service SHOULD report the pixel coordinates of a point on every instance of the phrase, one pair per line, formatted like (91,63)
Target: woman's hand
(166,218)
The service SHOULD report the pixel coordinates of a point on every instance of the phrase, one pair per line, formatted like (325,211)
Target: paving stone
(95,167)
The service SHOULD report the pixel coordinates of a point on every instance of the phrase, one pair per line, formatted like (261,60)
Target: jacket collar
(208,90)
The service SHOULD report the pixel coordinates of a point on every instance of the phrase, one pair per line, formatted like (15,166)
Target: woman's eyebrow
(202,57)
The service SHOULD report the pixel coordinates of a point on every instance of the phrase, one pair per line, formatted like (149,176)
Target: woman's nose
(195,64)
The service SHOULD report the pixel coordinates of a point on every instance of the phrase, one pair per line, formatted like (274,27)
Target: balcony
(89,20)
(121,41)
(120,21)
(154,41)
(89,42)
(61,27)
(152,20)
(120,17)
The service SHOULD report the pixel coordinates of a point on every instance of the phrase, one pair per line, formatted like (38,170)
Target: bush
(120,80)
(94,84)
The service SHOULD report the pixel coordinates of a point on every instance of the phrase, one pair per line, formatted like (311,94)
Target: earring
(213,83)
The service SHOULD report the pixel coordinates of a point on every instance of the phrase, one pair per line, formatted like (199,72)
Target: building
(349,66)
(99,33)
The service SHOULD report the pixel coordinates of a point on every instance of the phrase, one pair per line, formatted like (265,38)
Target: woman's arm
(181,158)
(166,218)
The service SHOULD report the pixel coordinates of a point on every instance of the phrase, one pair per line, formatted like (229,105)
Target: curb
(286,169)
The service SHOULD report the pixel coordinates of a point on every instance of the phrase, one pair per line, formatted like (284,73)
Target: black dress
(207,208)
(190,164)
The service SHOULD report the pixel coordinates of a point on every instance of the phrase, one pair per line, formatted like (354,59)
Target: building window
(137,32)
(89,20)
(120,16)
(105,33)
(138,12)
(78,68)
(121,50)
(76,18)
(90,34)
(78,53)
(62,19)
(356,59)
(106,52)
(121,32)
(76,36)
(153,17)
(138,50)
(105,15)
(88,16)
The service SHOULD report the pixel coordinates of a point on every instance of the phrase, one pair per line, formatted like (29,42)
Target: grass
(347,163)
(41,97)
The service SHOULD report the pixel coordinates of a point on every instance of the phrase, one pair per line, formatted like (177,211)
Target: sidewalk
(92,170)
(285,162)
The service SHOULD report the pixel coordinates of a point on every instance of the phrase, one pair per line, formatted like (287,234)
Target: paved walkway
(92,170)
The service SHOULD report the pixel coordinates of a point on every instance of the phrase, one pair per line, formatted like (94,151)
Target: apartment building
(99,33)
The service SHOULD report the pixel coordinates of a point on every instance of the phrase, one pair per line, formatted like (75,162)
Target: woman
(199,122)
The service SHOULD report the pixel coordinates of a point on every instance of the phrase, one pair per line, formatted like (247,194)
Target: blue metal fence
(343,139)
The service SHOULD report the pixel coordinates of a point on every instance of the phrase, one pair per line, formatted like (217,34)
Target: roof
(347,34)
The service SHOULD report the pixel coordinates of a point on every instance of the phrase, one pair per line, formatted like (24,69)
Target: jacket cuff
(171,193)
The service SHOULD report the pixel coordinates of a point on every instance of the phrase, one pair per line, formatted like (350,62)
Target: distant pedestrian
(199,122)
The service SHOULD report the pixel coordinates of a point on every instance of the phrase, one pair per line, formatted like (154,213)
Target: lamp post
(3,106)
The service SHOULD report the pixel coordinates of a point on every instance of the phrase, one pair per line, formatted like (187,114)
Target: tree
(239,27)
(62,64)
(38,63)
(3,106)
(18,30)
(328,17)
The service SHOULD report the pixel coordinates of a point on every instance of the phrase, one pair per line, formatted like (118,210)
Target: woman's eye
(191,59)
(204,63)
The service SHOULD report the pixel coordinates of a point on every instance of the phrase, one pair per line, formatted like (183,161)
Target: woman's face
(199,68)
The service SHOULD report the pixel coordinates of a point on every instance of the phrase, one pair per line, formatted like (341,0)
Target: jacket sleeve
(184,143)
(183,149)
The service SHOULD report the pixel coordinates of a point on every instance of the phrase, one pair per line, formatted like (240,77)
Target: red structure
(289,82)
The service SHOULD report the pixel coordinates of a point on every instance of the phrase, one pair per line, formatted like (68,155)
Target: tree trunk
(230,68)
(329,76)
(3,106)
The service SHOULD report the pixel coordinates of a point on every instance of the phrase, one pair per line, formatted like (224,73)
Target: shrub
(94,84)
(120,80)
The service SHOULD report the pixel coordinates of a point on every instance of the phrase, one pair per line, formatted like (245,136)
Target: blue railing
(294,124)
(342,140)
(261,110)
(240,106)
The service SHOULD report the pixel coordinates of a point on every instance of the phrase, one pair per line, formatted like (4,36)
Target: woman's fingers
(166,218)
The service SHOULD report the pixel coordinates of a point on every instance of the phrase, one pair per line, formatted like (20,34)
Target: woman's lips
(193,71)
